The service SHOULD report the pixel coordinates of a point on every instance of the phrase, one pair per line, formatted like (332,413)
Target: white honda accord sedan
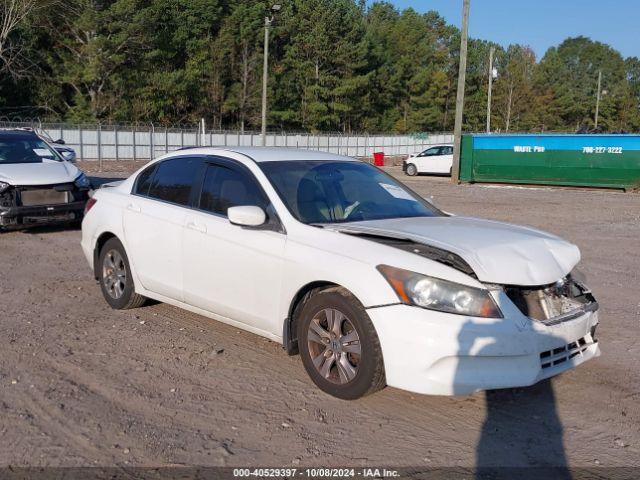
(340,262)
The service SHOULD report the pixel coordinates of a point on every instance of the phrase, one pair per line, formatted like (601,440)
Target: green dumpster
(579,160)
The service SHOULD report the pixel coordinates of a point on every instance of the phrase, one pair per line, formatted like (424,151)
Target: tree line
(335,65)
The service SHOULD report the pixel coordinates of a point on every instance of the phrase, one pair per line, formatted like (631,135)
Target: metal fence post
(134,144)
(115,134)
(81,143)
(166,140)
(181,138)
(152,134)
(99,147)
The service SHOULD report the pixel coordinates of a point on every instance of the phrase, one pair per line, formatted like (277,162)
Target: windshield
(317,192)
(25,149)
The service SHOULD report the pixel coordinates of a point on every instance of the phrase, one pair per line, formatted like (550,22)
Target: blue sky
(544,23)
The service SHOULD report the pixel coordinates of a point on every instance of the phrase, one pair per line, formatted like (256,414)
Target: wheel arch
(103,238)
(289,333)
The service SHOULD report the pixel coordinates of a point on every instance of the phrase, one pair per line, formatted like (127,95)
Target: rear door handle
(133,207)
(197,227)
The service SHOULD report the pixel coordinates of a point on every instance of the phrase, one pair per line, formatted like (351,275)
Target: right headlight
(442,295)
(4,186)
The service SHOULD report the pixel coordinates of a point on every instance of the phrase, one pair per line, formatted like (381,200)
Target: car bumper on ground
(436,353)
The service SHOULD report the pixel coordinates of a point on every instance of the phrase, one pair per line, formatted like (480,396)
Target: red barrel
(378,159)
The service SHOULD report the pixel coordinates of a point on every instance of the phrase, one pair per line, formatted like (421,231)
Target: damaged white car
(340,262)
(37,185)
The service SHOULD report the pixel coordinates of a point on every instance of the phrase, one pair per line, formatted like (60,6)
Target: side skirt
(211,315)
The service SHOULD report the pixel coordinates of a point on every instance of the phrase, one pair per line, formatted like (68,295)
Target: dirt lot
(83,385)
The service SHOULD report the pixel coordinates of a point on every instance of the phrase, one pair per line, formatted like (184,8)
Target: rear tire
(116,281)
(339,346)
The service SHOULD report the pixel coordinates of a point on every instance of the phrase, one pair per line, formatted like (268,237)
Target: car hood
(497,252)
(46,173)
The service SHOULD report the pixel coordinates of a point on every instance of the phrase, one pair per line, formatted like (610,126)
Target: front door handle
(133,207)
(197,227)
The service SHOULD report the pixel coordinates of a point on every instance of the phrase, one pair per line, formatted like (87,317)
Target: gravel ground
(83,385)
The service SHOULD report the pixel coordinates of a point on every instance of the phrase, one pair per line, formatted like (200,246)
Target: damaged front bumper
(22,207)
(437,353)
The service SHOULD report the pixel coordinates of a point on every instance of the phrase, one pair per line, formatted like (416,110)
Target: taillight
(90,203)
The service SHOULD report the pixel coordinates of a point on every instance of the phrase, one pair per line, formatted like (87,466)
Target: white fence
(98,142)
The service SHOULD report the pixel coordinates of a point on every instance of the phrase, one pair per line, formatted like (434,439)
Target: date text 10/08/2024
(316,472)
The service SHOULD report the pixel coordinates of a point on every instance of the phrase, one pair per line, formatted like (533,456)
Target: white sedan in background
(436,159)
(339,262)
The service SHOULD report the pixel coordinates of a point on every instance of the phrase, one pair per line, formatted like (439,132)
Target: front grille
(560,355)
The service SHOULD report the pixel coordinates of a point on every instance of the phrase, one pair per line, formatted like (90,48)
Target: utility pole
(265,71)
(265,78)
(598,98)
(491,52)
(457,130)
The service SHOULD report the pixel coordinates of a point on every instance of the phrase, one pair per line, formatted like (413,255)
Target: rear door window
(174,179)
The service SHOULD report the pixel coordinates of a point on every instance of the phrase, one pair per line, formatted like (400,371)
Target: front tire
(412,170)
(116,281)
(339,346)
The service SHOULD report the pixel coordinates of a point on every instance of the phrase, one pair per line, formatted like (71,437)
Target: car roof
(17,133)
(270,154)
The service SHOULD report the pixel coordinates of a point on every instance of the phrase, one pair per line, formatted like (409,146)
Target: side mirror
(60,142)
(247,216)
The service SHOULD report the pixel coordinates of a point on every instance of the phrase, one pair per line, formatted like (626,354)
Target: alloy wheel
(114,274)
(334,346)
